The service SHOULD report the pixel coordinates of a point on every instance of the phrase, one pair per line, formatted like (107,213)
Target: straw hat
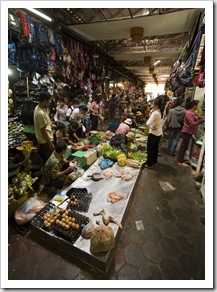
(26,143)
(128,121)
(138,113)
(130,135)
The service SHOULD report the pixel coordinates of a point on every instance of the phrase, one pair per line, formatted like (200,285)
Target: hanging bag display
(42,37)
(13,21)
(24,28)
(186,75)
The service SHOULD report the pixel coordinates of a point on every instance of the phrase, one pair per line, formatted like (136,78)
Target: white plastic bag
(27,210)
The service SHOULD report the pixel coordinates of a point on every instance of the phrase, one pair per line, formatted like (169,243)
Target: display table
(119,210)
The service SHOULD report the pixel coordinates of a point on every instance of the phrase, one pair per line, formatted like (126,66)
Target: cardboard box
(90,156)
(84,158)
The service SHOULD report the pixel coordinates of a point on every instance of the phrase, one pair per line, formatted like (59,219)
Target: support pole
(200,159)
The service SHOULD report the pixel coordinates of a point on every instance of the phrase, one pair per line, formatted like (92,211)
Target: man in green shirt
(57,168)
(43,126)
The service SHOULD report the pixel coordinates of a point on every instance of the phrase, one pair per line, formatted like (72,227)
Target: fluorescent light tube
(40,14)
(157,62)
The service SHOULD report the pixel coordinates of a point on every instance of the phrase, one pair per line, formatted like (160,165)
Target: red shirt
(191,123)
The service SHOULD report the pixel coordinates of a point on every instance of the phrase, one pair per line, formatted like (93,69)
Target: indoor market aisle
(162,239)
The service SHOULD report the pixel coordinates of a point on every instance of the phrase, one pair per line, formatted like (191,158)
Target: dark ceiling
(108,30)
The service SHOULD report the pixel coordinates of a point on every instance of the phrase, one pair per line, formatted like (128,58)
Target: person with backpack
(78,116)
(175,122)
(73,105)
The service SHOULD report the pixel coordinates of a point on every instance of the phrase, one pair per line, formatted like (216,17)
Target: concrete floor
(171,246)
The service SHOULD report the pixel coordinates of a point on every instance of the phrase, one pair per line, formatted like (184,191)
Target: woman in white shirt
(155,124)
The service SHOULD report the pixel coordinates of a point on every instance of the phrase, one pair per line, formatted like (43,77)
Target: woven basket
(14,205)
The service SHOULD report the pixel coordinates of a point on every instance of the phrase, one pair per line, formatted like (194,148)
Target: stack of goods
(15,133)
(66,223)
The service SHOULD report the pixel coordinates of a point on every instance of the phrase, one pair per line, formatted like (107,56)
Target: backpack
(58,44)
(13,21)
(51,36)
(27,112)
(42,37)
(31,25)
(24,28)
(12,53)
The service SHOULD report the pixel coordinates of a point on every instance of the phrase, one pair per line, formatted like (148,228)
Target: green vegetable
(139,156)
(132,147)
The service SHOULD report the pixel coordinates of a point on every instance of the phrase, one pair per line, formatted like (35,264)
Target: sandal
(183,164)
(149,167)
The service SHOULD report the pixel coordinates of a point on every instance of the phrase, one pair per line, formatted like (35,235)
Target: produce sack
(28,210)
(102,239)
(105,163)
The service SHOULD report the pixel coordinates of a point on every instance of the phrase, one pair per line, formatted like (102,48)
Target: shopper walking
(94,112)
(43,126)
(155,124)
(175,122)
(112,104)
(189,129)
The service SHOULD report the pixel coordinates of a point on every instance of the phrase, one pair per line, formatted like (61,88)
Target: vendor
(124,127)
(121,140)
(57,168)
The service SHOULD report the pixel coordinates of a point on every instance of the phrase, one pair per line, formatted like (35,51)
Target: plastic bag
(27,210)
(121,160)
(87,230)
(102,239)
(105,163)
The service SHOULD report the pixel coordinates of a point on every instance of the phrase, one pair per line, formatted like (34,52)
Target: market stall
(97,192)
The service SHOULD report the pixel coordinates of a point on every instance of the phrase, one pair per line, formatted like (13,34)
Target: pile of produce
(22,185)
(139,156)
(110,152)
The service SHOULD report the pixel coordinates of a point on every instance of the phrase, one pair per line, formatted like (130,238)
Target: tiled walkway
(171,246)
